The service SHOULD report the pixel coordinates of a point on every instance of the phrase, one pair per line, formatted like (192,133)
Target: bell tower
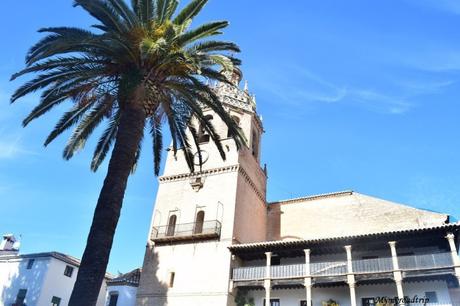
(198,215)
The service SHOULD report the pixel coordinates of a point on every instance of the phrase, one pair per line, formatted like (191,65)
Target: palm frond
(125,12)
(67,120)
(213,45)
(86,126)
(105,142)
(157,137)
(190,11)
(105,13)
(201,32)
(145,9)
(137,157)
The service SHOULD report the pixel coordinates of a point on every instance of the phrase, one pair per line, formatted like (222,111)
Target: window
(275,261)
(273,302)
(113,299)
(255,145)
(237,121)
(199,223)
(367,302)
(203,136)
(172,275)
(55,301)
(21,297)
(68,271)
(30,263)
(431,297)
(171,225)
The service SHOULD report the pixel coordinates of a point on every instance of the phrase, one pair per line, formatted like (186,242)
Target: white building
(122,290)
(41,279)
(216,241)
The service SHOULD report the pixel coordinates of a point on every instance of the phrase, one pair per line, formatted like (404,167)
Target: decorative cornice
(215,171)
(185,176)
(313,197)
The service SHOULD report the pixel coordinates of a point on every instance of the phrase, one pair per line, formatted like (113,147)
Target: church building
(214,239)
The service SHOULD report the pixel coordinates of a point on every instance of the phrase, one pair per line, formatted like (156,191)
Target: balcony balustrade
(186,231)
(339,268)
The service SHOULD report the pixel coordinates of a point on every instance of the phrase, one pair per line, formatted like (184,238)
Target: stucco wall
(59,285)
(43,281)
(201,270)
(292,297)
(126,295)
(15,276)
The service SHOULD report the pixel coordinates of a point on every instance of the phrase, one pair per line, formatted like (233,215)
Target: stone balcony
(186,232)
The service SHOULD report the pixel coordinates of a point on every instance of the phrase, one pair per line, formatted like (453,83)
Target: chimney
(9,245)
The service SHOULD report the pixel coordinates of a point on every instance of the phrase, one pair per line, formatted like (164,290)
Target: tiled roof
(293,243)
(130,279)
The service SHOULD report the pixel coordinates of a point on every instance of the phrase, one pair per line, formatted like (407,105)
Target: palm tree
(142,66)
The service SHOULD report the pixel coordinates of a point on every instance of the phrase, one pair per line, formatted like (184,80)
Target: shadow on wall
(19,277)
(152,291)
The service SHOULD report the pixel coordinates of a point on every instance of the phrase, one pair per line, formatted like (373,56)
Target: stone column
(308,281)
(267,281)
(350,276)
(397,272)
(453,251)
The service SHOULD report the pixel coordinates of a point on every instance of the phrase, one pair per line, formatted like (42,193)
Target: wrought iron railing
(328,268)
(186,230)
(414,262)
(294,270)
(384,264)
(249,273)
(339,268)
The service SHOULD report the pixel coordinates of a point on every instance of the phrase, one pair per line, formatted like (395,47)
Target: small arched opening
(237,121)
(199,221)
(171,225)
(203,136)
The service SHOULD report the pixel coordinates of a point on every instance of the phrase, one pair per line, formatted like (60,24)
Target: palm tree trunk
(96,256)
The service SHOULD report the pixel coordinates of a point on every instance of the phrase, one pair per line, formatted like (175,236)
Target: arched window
(237,121)
(171,225)
(199,222)
(255,145)
(203,136)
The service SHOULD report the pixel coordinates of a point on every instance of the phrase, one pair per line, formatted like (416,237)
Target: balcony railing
(186,231)
(339,268)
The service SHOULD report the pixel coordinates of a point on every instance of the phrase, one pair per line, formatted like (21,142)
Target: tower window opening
(237,121)
(171,225)
(255,145)
(203,136)
(199,222)
(172,275)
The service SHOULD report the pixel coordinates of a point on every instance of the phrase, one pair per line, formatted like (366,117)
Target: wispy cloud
(438,59)
(448,6)
(311,87)
(11,147)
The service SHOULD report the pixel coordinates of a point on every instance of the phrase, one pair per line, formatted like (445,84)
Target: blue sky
(354,94)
